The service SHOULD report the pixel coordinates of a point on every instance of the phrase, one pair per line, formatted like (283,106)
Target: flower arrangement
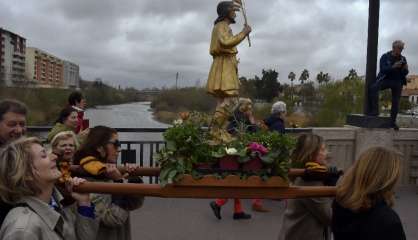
(190,149)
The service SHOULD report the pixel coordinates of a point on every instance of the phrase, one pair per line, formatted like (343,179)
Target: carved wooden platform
(232,181)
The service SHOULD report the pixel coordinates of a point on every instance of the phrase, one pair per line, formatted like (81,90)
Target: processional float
(188,146)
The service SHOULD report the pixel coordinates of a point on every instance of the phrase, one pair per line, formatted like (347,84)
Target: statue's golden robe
(223,76)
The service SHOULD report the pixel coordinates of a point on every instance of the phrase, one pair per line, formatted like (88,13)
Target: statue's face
(231,15)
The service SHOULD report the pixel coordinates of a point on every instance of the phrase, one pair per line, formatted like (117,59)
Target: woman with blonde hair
(363,205)
(308,218)
(64,145)
(27,183)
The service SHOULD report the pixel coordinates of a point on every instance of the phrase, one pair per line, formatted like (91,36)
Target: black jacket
(388,73)
(275,123)
(378,223)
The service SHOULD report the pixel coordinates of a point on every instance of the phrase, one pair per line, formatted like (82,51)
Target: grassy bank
(44,104)
(170,102)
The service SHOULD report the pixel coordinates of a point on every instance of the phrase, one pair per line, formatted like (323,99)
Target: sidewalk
(184,219)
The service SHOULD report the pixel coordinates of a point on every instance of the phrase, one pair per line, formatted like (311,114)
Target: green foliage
(337,100)
(45,103)
(180,100)
(189,144)
(265,88)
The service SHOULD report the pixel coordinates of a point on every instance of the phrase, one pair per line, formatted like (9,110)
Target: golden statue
(223,80)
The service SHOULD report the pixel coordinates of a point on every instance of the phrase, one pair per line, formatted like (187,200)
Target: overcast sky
(143,43)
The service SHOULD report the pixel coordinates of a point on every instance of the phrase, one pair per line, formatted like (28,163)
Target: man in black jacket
(393,72)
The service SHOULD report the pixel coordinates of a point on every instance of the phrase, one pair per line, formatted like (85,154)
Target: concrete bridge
(191,219)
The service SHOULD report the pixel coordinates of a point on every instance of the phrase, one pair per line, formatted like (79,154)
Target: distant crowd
(37,200)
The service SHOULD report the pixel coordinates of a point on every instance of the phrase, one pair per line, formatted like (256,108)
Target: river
(130,115)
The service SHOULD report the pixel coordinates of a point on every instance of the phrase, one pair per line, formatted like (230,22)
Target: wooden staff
(241,5)
(173,191)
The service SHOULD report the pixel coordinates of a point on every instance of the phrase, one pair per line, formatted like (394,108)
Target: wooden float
(210,187)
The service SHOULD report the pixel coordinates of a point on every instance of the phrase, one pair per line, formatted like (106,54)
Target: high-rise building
(44,68)
(12,58)
(71,75)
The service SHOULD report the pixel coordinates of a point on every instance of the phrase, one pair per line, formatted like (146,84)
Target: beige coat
(223,76)
(113,216)
(38,220)
(307,218)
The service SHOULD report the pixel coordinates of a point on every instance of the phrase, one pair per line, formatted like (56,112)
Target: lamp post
(372,47)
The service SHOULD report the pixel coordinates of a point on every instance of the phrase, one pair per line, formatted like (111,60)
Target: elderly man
(393,72)
(275,122)
(12,120)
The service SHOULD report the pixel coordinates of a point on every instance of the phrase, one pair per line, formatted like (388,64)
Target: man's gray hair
(278,107)
(398,43)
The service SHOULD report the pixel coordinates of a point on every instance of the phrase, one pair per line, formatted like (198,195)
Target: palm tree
(292,77)
(304,76)
(320,77)
(352,74)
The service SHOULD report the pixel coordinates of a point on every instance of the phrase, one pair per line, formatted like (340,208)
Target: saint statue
(223,80)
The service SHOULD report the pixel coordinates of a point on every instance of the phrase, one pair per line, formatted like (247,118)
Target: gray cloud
(144,43)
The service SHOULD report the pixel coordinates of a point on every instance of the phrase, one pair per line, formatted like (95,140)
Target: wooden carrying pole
(173,191)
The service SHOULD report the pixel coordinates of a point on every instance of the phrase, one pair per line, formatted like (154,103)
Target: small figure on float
(223,80)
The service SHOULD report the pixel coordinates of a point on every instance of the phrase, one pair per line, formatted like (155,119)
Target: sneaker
(216,210)
(241,215)
(259,208)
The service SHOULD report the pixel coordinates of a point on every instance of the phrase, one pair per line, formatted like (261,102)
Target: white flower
(230,151)
(177,122)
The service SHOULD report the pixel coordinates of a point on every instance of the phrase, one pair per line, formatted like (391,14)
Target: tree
(352,74)
(270,84)
(304,76)
(292,77)
(323,78)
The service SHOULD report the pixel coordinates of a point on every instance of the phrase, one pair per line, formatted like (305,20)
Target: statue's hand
(247,29)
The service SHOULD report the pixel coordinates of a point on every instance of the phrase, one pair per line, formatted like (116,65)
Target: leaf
(171,175)
(244,159)
(171,146)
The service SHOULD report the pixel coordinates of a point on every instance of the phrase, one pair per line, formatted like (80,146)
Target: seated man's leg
(396,97)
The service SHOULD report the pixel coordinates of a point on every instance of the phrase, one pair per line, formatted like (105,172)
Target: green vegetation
(45,103)
(170,102)
(325,104)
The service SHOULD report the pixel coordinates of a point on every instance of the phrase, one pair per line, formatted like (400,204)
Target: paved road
(184,219)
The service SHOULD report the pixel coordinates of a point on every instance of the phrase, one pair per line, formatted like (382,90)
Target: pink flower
(256,147)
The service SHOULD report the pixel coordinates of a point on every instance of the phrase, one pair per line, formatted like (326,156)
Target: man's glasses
(115,143)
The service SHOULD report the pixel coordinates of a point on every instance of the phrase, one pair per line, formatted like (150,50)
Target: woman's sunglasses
(115,143)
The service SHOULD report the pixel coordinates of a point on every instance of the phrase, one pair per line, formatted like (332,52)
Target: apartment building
(71,75)
(44,68)
(12,58)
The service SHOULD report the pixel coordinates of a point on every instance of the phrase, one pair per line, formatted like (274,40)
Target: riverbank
(45,103)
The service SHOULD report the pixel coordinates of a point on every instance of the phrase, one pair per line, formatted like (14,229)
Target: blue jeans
(374,89)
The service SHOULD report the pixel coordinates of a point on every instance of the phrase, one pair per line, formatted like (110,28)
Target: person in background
(64,145)
(27,180)
(365,196)
(308,218)
(67,121)
(77,101)
(275,122)
(98,157)
(12,126)
(12,120)
(392,75)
